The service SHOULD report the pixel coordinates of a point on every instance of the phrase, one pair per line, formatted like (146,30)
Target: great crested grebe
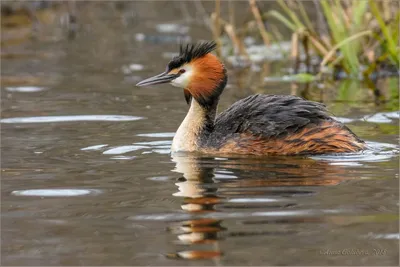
(258,124)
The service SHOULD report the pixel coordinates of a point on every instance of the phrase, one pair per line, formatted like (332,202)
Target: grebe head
(197,71)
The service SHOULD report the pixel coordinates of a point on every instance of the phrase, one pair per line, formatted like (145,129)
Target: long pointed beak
(158,79)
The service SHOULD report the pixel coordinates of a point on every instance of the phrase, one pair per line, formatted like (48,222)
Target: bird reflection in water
(214,189)
(197,187)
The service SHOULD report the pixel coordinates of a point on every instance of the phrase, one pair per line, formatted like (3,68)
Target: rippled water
(88,179)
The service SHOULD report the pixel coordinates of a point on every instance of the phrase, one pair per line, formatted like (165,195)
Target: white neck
(186,137)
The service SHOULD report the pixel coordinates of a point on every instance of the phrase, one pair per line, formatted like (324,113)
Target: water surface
(88,179)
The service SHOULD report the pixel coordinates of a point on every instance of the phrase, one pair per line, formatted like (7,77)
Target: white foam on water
(25,89)
(384,236)
(163,147)
(354,158)
(122,150)
(162,151)
(344,120)
(123,157)
(377,118)
(381,117)
(96,147)
(155,143)
(345,164)
(159,178)
(393,115)
(253,200)
(47,119)
(131,68)
(378,146)
(55,192)
(172,28)
(376,152)
(224,176)
(221,215)
(157,135)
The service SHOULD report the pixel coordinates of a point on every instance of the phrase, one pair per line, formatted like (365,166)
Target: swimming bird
(258,124)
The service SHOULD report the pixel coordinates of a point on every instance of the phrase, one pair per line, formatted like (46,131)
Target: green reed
(357,36)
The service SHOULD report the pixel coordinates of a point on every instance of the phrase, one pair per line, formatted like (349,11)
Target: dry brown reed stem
(325,39)
(231,7)
(370,54)
(295,51)
(317,44)
(370,51)
(331,53)
(185,11)
(215,18)
(305,42)
(260,24)
(230,30)
(266,71)
(278,35)
(218,14)
(309,25)
(293,88)
(322,28)
(346,13)
(386,10)
(203,13)
(374,64)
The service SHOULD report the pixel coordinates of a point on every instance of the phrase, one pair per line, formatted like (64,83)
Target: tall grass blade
(339,33)
(305,17)
(345,42)
(359,8)
(281,18)
(386,31)
(291,14)
(260,24)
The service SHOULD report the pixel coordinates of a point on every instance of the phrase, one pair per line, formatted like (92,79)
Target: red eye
(181,71)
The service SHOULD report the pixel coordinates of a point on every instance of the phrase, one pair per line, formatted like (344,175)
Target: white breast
(187,134)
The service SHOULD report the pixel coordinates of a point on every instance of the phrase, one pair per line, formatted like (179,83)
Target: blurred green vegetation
(356,42)
(359,37)
(349,39)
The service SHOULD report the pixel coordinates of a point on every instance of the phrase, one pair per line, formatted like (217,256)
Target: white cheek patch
(183,80)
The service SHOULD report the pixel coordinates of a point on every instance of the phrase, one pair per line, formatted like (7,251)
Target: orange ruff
(329,137)
(208,74)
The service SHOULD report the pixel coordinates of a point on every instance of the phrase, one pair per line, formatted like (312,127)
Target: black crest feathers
(190,52)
